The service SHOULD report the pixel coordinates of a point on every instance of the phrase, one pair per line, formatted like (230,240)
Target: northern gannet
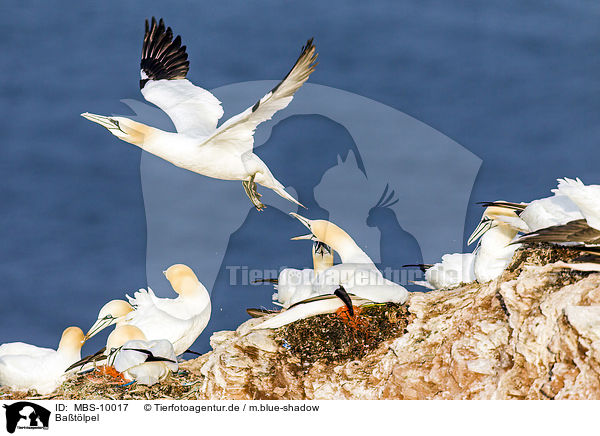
(199,146)
(495,249)
(24,366)
(179,320)
(318,305)
(137,358)
(491,256)
(357,273)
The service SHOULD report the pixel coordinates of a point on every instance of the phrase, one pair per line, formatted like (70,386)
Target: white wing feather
(237,133)
(194,111)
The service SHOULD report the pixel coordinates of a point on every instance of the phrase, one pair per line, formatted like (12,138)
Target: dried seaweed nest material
(333,338)
(95,386)
(540,254)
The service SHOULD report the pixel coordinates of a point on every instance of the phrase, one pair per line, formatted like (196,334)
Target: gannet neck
(498,237)
(350,252)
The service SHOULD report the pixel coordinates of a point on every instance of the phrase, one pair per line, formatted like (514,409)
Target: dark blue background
(517,83)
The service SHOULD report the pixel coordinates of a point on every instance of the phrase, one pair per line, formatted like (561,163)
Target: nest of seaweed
(333,339)
(96,386)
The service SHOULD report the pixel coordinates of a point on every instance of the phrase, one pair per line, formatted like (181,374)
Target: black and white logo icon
(26,415)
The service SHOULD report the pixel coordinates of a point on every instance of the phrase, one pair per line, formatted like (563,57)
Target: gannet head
(323,231)
(71,339)
(492,217)
(182,279)
(110,313)
(122,334)
(322,255)
(123,128)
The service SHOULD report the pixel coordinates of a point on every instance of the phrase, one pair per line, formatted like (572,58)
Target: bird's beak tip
(298,238)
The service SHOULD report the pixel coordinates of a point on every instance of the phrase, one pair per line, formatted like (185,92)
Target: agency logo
(26,415)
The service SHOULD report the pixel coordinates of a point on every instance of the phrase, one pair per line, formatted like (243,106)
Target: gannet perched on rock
(179,320)
(24,366)
(199,146)
(495,249)
(491,256)
(357,273)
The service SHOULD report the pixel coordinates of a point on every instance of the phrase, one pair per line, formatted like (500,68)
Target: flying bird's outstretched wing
(236,134)
(193,110)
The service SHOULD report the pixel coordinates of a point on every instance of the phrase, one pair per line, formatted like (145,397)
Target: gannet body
(180,320)
(493,253)
(357,273)
(199,146)
(319,305)
(24,366)
(137,358)
(584,225)
(294,285)
(454,269)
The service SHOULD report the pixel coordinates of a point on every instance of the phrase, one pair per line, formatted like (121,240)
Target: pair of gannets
(493,253)
(354,282)
(24,366)
(199,146)
(179,320)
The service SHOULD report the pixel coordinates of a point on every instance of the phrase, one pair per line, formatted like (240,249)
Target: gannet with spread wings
(224,152)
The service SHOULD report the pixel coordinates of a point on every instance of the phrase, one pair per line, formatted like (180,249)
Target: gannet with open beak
(179,320)
(584,226)
(199,146)
(357,273)
(24,366)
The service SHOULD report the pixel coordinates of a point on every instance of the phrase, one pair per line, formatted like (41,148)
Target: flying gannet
(179,320)
(24,366)
(357,273)
(199,146)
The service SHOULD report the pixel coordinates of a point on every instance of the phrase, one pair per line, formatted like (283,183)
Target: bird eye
(116,123)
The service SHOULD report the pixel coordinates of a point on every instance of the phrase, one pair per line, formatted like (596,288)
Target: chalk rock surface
(533,333)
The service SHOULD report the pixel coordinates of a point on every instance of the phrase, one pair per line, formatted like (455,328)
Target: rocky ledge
(533,333)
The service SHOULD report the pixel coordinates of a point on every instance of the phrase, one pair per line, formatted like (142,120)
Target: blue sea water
(515,83)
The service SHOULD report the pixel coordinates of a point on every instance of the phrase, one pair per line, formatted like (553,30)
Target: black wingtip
(162,56)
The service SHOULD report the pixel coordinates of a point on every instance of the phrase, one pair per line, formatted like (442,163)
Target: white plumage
(357,273)
(224,152)
(179,320)
(136,360)
(24,366)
